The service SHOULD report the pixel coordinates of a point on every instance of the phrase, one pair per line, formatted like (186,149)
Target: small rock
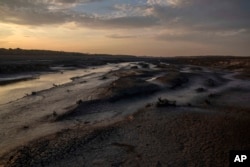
(55,85)
(79,102)
(158,164)
(148,105)
(200,90)
(207,102)
(134,67)
(211,83)
(103,78)
(54,113)
(25,127)
(165,102)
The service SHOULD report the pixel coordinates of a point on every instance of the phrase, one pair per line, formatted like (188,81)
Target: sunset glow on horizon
(144,27)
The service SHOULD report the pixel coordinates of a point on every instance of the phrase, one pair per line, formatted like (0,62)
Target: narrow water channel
(14,91)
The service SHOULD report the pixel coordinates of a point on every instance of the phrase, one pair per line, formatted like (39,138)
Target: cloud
(205,14)
(39,12)
(29,12)
(35,13)
(219,38)
(76,1)
(131,22)
(119,36)
(192,15)
(232,33)
(173,3)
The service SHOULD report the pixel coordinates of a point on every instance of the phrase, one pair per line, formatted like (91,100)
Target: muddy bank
(134,114)
(152,137)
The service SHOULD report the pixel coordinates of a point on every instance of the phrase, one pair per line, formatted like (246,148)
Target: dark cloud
(75,1)
(223,22)
(30,12)
(34,12)
(131,22)
(206,14)
(199,15)
(39,12)
(206,37)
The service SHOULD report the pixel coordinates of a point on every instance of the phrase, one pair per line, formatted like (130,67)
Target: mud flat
(147,113)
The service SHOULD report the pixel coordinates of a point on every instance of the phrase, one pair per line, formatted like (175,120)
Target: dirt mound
(172,79)
(129,86)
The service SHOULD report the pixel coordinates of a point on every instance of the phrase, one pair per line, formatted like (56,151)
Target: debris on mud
(165,103)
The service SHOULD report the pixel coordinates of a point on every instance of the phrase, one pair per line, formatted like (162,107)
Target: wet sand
(124,117)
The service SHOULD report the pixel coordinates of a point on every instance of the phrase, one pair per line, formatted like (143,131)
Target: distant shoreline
(14,61)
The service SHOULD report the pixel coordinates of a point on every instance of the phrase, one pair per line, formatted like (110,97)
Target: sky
(135,27)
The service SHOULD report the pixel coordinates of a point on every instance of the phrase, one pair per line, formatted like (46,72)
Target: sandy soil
(130,119)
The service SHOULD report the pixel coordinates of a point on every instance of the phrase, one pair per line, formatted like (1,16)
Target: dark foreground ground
(188,112)
(153,137)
